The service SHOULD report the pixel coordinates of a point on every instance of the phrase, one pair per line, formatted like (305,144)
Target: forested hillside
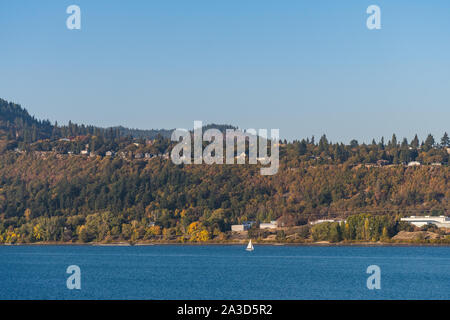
(51,192)
(17,124)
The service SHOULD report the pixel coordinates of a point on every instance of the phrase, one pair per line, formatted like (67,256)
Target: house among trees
(326,220)
(413,164)
(242,227)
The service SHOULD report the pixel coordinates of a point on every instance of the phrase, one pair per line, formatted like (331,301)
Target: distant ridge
(16,122)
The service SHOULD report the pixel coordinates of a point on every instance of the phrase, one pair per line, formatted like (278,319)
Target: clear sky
(305,67)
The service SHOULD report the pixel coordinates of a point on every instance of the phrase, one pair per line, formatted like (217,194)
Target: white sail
(250,246)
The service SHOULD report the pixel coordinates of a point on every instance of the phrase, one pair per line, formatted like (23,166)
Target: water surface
(223,272)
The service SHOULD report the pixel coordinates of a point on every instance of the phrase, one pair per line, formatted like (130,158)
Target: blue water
(224,272)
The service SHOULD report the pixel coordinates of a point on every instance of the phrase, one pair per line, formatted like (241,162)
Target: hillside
(51,191)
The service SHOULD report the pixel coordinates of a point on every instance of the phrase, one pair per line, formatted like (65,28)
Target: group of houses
(326,220)
(383,163)
(418,221)
(109,153)
(137,155)
(417,163)
(248,224)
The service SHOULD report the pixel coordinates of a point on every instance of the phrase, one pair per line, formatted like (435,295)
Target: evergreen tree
(415,142)
(445,140)
(429,142)
(393,143)
(381,144)
(323,143)
(354,143)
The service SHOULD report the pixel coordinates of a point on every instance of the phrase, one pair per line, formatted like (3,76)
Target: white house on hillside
(270,225)
(326,220)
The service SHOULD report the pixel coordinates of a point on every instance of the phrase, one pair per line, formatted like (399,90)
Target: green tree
(445,140)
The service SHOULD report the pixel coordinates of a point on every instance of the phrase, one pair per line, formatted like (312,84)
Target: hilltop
(19,128)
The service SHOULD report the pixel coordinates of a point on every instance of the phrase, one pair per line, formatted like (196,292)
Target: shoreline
(279,244)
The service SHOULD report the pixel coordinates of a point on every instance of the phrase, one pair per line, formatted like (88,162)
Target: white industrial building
(270,225)
(237,227)
(441,221)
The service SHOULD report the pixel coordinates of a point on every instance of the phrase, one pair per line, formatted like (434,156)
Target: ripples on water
(224,272)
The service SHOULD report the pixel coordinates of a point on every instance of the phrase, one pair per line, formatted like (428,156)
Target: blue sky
(305,67)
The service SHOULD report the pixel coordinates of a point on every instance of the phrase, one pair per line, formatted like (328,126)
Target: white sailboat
(250,246)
